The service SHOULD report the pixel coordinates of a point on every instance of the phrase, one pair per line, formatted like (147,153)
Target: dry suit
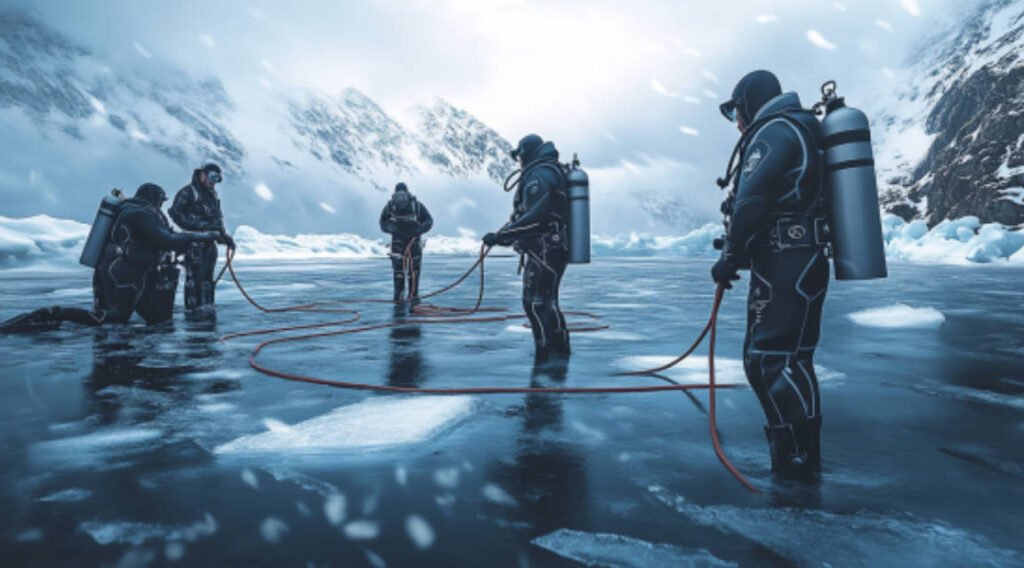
(776,228)
(197,208)
(406,220)
(537,230)
(136,273)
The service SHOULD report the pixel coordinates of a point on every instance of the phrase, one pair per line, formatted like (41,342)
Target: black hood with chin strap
(152,194)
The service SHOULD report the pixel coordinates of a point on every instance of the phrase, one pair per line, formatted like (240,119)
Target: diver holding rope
(406,220)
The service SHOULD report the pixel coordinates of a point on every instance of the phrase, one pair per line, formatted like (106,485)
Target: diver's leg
(556,258)
(532,304)
(193,268)
(398,268)
(783,316)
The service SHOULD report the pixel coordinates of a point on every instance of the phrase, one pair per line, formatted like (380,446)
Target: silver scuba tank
(851,191)
(99,234)
(579,214)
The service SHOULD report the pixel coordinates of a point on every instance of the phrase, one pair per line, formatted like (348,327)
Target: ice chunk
(362,530)
(898,316)
(495,494)
(602,549)
(373,423)
(250,478)
(273,529)
(95,447)
(691,371)
(817,538)
(334,509)
(174,551)
(67,496)
(127,532)
(447,477)
(420,531)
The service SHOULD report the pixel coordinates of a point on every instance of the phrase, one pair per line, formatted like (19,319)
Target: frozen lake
(160,446)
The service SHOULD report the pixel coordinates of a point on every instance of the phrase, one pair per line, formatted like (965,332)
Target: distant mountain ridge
(952,144)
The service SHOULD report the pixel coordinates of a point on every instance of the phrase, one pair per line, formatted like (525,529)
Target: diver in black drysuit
(197,208)
(776,228)
(537,229)
(406,220)
(133,275)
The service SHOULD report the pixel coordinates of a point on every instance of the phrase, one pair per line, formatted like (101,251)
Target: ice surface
(899,316)
(93,448)
(817,538)
(495,494)
(362,530)
(273,529)
(601,549)
(334,509)
(373,423)
(969,394)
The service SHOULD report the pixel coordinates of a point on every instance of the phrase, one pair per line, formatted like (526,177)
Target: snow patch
(373,423)
(818,40)
(898,316)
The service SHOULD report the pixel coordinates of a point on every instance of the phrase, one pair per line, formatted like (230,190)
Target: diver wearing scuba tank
(197,208)
(537,229)
(406,220)
(134,273)
(776,227)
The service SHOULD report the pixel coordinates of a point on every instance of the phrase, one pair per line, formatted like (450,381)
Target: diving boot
(38,320)
(795,449)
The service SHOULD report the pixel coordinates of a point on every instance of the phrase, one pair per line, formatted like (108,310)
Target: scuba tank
(578,189)
(851,191)
(99,234)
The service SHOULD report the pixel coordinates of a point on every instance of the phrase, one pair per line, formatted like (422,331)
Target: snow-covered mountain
(76,124)
(952,143)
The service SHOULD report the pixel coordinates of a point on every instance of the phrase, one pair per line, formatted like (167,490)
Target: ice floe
(863,538)
(72,495)
(373,423)
(419,531)
(135,533)
(898,316)
(602,549)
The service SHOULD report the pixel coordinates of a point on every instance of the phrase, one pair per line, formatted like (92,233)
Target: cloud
(268,66)
(840,6)
(142,50)
(815,37)
(766,18)
(884,25)
(206,40)
(710,94)
(691,100)
(263,192)
(689,131)
(911,7)
(326,207)
(659,88)
(888,72)
(710,76)
(692,52)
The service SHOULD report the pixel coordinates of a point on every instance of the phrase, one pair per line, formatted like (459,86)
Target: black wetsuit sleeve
(151,231)
(537,202)
(425,220)
(385,224)
(767,160)
(181,210)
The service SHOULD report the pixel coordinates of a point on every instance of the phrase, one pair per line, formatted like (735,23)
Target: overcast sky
(632,86)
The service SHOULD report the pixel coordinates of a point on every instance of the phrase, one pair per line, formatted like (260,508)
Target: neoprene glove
(491,239)
(724,272)
(228,241)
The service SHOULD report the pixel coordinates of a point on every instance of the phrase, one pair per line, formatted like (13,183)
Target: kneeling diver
(134,273)
(538,231)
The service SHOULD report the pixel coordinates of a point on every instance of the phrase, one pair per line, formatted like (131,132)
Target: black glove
(724,272)
(227,240)
(491,239)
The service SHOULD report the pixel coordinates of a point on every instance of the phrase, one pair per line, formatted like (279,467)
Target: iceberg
(372,424)
(40,238)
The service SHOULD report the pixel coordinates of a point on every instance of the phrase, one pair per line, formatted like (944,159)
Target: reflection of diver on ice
(545,476)
(405,363)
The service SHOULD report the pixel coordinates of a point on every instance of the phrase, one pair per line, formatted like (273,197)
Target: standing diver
(537,230)
(406,220)
(197,208)
(776,228)
(133,273)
